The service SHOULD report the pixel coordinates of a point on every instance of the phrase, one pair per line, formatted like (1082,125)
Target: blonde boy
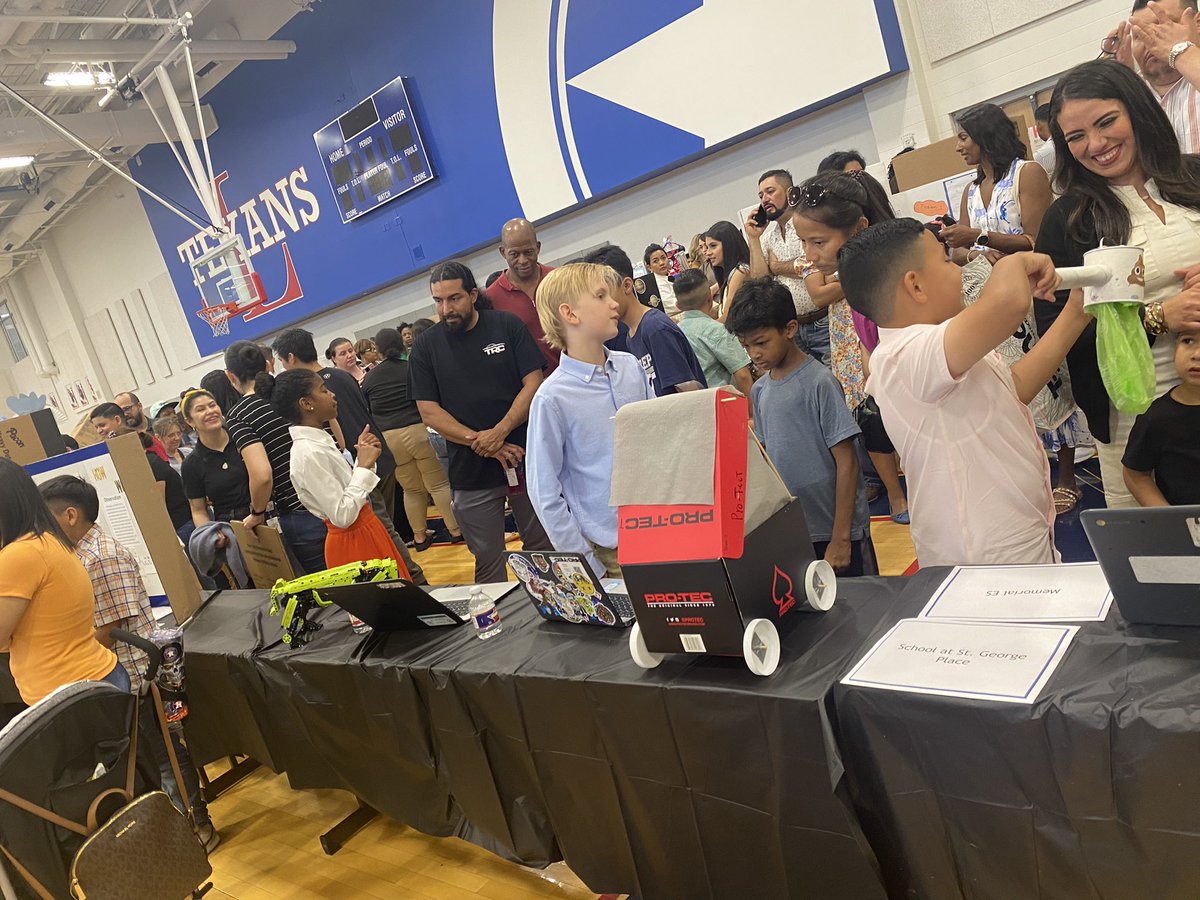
(569,449)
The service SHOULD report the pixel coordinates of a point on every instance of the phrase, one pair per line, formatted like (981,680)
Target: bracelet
(1153,320)
(256,512)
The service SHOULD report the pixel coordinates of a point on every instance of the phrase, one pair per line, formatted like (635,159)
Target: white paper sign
(1008,663)
(1074,592)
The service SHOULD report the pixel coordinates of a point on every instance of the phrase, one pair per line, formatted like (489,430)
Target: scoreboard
(374,153)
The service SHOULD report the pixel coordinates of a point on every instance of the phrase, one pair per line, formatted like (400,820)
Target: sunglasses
(807,196)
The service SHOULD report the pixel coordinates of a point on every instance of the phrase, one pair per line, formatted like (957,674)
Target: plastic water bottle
(359,626)
(170,672)
(484,615)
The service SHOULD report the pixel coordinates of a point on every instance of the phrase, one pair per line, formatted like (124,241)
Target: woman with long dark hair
(417,468)
(830,208)
(729,255)
(265,444)
(1123,181)
(46,600)
(1000,214)
(214,476)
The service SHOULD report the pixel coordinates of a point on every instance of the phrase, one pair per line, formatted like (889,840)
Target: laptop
(1151,558)
(563,588)
(396,605)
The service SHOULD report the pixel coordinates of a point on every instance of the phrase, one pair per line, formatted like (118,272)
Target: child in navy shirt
(649,334)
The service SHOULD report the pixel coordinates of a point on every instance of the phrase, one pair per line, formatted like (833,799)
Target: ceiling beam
(55,51)
(28,136)
(85,20)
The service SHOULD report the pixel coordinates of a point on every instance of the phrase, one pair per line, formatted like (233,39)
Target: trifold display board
(133,513)
(526,107)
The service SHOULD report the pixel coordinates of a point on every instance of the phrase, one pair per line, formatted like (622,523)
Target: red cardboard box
(670,532)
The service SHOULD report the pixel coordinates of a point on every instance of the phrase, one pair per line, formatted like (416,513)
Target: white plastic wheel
(637,649)
(820,584)
(760,646)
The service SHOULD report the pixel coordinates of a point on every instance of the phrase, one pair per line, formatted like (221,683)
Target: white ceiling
(224,33)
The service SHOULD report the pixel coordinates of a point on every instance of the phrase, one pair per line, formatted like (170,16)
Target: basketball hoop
(218,317)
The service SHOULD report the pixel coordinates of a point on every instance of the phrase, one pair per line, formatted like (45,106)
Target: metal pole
(86,20)
(208,195)
(99,157)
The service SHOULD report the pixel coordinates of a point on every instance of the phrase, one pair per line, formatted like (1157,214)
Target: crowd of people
(862,340)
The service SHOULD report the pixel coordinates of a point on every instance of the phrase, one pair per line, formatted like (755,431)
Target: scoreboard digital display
(374,152)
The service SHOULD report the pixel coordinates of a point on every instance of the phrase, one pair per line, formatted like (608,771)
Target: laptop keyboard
(458,607)
(621,606)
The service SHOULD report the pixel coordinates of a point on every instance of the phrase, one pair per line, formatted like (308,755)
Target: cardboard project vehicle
(713,547)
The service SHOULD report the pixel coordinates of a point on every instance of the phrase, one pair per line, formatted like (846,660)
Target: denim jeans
(151,733)
(304,535)
(814,340)
(441,449)
(118,678)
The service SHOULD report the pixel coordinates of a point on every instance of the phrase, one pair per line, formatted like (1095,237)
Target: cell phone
(947,219)
(759,217)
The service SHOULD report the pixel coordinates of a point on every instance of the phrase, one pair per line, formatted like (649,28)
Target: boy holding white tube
(979,481)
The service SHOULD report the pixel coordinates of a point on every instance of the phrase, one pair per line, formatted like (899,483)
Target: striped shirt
(1181,103)
(121,598)
(254,421)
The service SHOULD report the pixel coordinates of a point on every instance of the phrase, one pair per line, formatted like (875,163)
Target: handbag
(146,850)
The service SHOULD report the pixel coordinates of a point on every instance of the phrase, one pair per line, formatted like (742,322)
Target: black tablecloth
(1091,792)
(696,779)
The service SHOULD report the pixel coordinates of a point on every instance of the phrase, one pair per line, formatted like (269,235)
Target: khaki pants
(608,559)
(421,476)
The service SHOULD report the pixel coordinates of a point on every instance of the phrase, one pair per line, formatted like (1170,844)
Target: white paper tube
(1084,276)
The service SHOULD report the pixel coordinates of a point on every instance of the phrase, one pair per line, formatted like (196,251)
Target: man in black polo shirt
(473,376)
(297,350)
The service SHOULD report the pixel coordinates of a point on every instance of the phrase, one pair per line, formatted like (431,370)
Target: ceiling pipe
(83,20)
(127,50)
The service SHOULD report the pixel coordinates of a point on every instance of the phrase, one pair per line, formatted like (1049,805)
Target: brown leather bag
(147,850)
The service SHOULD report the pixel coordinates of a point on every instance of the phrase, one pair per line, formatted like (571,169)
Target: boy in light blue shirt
(569,447)
(721,357)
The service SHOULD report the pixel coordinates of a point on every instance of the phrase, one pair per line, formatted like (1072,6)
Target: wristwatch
(984,239)
(1176,50)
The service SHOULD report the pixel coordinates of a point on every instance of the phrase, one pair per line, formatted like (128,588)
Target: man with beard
(135,417)
(516,288)
(776,250)
(473,376)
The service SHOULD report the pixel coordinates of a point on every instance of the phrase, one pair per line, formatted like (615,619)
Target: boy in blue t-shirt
(656,341)
(801,417)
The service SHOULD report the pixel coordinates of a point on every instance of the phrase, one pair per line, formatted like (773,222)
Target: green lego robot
(296,598)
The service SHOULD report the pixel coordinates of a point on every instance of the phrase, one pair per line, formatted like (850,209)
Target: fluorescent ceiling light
(15,162)
(78,78)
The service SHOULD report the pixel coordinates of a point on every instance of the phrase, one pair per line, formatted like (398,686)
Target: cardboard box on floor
(712,541)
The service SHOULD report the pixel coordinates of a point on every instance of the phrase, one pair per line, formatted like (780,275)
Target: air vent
(8,246)
(205,69)
(49,205)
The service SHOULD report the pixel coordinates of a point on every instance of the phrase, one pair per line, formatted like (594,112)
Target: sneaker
(208,836)
(457,538)
(422,546)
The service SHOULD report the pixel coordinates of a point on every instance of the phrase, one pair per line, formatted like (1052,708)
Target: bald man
(515,289)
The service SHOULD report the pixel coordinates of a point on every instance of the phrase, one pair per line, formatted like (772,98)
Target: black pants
(862,557)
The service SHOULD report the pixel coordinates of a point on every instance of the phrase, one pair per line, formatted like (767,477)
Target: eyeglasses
(1109,47)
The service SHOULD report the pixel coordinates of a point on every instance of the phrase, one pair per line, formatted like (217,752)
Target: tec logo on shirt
(493,349)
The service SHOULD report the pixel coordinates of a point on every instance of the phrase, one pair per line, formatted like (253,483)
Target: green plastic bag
(1124,356)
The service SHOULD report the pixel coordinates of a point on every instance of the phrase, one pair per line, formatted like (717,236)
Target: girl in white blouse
(324,481)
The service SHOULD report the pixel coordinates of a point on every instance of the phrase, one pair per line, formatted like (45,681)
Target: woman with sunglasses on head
(1000,214)
(830,208)
(729,255)
(214,476)
(1123,181)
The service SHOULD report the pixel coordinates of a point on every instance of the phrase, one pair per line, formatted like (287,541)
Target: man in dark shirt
(135,417)
(516,288)
(297,350)
(473,376)
(649,334)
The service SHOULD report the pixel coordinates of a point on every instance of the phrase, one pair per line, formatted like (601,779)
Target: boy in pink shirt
(979,481)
